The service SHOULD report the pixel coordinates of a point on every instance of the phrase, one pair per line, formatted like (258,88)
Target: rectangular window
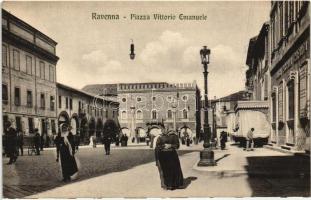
(17,96)
(52,103)
(47,74)
(29,98)
(106,114)
(51,73)
(70,103)
(274,108)
(291,100)
(5,94)
(79,105)
(42,70)
(28,64)
(42,101)
(59,101)
(4,120)
(280,102)
(30,125)
(16,64)
(67,103)
(18,123)
(4,55)
(53,125)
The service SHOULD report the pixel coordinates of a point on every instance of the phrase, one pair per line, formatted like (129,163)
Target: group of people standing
(167,159)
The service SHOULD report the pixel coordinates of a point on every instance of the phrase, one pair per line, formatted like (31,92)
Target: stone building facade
(28,76)
(290,74)
(143,105)
(284,79)
(31,97)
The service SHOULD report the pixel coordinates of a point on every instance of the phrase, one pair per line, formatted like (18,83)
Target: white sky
(98,51)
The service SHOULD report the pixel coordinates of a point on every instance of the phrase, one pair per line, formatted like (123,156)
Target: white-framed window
(139,114)
(16,59)
(42,70)
(4,55)
(185,114)
(169,114)
(154,114)
(52,74)
(28,65)
(123,115)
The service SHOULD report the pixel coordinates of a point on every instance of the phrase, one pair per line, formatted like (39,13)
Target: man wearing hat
(11,143)
(37,141)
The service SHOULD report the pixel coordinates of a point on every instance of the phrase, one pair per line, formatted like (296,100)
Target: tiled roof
(102,89)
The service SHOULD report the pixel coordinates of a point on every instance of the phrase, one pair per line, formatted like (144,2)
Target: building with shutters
(28,76)
(290,75)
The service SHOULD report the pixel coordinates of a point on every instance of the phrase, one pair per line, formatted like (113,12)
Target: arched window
(123,115)
(139,114)
(169,114)
(154,114)
(185,114)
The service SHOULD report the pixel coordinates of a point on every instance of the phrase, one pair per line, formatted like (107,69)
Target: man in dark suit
(107,142)
(223,140)
(11,143)
(37,141)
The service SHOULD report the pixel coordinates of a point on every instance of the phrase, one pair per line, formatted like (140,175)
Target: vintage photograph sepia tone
(155,99)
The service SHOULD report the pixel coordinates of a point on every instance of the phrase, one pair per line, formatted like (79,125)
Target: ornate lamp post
(206,155)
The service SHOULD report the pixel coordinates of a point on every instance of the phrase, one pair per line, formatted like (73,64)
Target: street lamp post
(206,155)
(174,106)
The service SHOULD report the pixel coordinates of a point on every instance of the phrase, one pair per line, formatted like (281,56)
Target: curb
(235,173)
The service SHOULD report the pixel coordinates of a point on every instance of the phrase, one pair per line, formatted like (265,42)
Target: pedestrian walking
(250,140)
(64,152)
(223,140)
(168,158)
(37,141)
(117,140)
(41,142)
(124,140)
(71,140)
(11,142)
(20,142)
(107,142)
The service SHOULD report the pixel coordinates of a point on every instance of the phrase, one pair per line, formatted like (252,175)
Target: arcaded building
(144,105)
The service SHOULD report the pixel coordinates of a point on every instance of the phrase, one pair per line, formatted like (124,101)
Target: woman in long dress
(64,151)
(168,159)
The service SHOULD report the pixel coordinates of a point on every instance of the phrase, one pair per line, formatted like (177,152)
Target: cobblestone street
(33,174)
(260,173)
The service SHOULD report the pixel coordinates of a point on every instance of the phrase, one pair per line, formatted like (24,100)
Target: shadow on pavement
(226,155)
(279,175)
(35,174)
(187,181)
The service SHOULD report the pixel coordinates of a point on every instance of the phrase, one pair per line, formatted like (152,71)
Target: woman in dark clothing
(70,138)
(169,161)
(64,151)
